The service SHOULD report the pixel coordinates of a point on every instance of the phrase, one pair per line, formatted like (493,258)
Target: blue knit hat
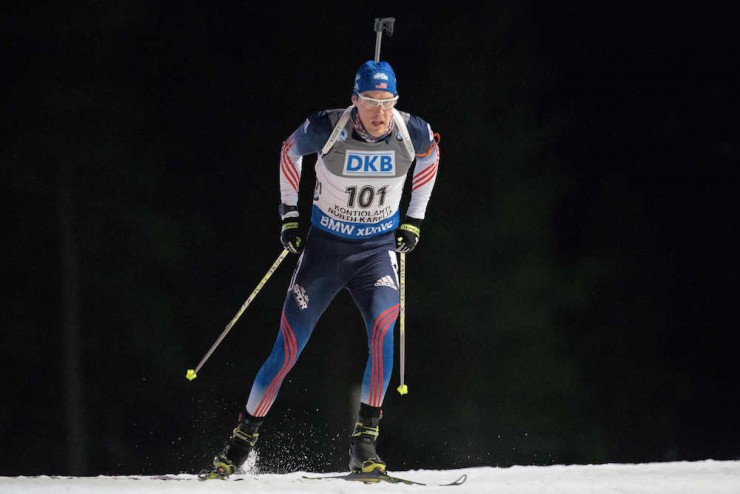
(375,76)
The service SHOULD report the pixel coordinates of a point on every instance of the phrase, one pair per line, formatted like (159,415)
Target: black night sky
(573,298)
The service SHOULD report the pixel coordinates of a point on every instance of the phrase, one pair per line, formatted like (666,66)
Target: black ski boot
(362,455)
(236,450)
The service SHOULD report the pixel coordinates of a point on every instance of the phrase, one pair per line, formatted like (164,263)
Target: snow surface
(704,477)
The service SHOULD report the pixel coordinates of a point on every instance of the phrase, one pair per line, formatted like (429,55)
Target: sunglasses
(372,103)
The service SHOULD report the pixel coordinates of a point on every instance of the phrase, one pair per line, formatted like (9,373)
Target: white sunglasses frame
(373,103)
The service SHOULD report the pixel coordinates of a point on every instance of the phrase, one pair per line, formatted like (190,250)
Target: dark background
(573,299)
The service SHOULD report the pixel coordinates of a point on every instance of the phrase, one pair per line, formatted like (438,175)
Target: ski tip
(190,374)
(461,480)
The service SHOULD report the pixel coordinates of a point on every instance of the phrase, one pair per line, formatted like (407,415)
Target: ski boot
(236,450)
(362,455)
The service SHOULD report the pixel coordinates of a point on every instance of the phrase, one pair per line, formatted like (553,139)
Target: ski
(185,477)
(203,476)
(375,478)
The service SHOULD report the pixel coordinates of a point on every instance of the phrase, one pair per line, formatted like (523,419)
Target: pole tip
(190,374)
(403,389)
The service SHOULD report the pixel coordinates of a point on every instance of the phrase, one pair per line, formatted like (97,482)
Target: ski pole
(382,24)
(193,373)
(385,24)
(402,389)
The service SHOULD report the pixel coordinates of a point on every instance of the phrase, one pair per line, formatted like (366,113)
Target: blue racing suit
(350,244)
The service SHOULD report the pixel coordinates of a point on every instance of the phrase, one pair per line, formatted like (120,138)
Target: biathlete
(365,153)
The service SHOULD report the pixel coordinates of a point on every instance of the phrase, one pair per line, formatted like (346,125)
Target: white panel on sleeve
(290,172)
(425,175)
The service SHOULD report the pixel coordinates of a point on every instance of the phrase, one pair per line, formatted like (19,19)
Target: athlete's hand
(290,235)
(407,234)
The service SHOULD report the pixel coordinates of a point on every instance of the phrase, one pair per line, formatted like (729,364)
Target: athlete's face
(373,116)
